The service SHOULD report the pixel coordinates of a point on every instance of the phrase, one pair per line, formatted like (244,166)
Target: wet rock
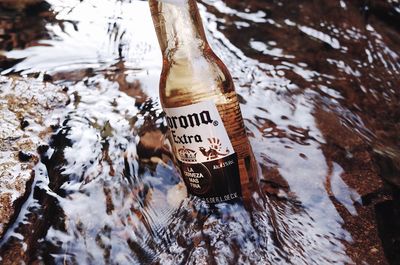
(272,182)
(73,76)
(22,99)
(19,4)
(351,152)
(22,27)
(387,11)
(362,178)
(151,142)
(132,88)
(388,220)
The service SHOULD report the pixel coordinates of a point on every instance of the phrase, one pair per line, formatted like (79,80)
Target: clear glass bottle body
(192,73)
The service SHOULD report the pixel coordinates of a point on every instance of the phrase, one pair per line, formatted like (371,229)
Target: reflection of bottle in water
(203,113)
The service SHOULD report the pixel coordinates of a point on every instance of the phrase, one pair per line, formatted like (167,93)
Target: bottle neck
(179,28)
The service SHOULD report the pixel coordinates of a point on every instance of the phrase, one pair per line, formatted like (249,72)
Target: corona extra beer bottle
(197,94)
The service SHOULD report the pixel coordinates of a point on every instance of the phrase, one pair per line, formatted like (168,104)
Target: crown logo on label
(187,155)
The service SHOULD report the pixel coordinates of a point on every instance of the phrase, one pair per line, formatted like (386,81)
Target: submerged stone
(30,101)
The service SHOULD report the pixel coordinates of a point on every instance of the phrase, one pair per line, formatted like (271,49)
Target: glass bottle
(197,93)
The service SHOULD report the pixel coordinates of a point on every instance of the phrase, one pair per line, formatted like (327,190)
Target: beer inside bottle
(197,93)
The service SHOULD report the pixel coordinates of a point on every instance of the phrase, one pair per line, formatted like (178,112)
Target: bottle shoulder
(194,78)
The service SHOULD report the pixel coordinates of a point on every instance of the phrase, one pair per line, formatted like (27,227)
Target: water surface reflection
(318,83)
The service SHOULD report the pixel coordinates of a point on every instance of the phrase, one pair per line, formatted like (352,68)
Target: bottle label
(205,154)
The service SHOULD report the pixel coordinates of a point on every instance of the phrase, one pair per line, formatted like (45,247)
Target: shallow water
(319,87)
